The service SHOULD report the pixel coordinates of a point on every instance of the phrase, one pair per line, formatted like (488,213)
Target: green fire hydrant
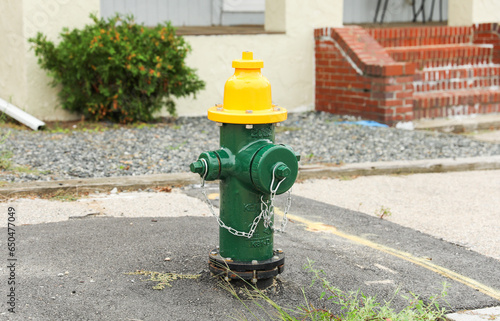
(252,170)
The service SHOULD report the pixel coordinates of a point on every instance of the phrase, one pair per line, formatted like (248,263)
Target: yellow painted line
(213,196)
(321,227)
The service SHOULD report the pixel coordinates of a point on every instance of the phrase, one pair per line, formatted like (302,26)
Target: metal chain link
(288,204)
(266,211)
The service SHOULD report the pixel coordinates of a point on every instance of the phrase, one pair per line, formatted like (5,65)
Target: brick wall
(418,36)
(400,74)
(488,33)
(356,76)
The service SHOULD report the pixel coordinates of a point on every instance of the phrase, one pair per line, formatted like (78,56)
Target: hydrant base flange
(255,270)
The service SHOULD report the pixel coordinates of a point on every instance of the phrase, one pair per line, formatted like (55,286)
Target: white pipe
(20,116)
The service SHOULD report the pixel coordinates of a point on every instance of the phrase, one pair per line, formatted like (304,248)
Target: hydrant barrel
(240,201)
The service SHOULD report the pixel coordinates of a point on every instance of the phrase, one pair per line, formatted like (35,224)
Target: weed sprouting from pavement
(5,155)
(64,196)
(353,305)
(383,212)
(5,159)
(163,279)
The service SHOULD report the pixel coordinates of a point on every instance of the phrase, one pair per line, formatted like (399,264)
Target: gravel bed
(166,148)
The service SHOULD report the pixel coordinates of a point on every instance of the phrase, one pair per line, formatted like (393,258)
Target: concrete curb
(101,184)
(305,172)
(402,167)
(460,124)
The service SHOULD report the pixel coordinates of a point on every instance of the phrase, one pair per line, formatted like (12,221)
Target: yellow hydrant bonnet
(247,96)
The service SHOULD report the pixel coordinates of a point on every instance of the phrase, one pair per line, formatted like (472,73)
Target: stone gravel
(166,148)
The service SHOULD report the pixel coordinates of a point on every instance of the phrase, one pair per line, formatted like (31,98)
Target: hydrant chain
(205,165)
(273,191)
(219,221)
(268,211)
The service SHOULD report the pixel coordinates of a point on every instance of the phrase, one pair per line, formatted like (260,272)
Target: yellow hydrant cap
(247,96)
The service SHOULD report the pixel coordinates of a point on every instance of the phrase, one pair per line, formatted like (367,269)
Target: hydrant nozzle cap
(197,167)
(247,61)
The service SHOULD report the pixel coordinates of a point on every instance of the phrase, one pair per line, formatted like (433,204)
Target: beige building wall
(12,60)
(468,12)
(22,82)
(288,57)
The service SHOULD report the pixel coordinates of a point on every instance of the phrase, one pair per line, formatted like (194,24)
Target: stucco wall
(288,58)
(12,62)
(50,17)
(486,11)
(22,81)
(468,12)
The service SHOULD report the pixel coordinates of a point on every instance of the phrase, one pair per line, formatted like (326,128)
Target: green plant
(356,306)
(5,155)
(256,297)
(118,70)
(353,306)
(383,212)
(58,129)
(25,169)
(5,159)
(177,146)
(348,177)
(63,196)
(3,116)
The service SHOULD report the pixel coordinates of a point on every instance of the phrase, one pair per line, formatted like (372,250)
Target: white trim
(342,52)
(20,115)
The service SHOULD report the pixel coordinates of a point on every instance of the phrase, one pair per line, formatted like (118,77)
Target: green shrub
(118,70)
(5,155)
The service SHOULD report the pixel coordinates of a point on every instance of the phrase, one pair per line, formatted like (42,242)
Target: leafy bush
(118,70)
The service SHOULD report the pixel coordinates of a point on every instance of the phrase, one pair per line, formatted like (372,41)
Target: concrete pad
(101,184)
(459,124)
(460,207)
(131,204)
(489,136)
(476,315)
